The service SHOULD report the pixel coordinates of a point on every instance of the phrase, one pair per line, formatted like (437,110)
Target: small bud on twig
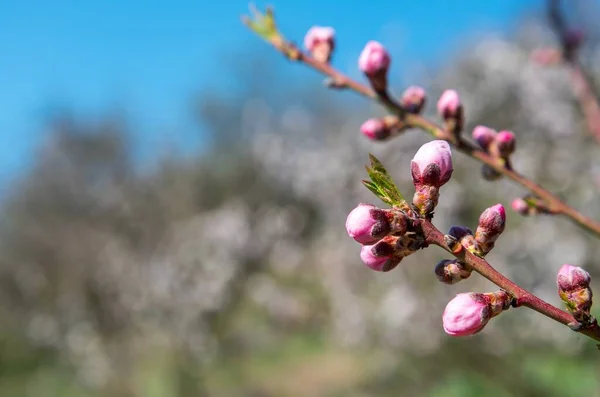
(484,136)
(413,99)
(530,205)
(431,168)
(381,255)
(468,313)
(465,237)
(320,42)
(574,289)
(504,144)
(374,129)
(491,225)
(368,224)
(451,271)
(450,109)
(520,206)
(374,62)
(382,129)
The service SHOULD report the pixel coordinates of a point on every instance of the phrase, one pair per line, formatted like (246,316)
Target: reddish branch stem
(553,203)
(580,81)
(523,297)
(586,97)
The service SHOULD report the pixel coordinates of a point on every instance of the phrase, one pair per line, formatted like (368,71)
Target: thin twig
(580,81)
(522,297)
(553,203)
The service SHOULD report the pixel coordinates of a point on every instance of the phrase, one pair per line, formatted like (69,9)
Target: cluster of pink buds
(391,234)
(386,235)
(489,228)
(469,312)
(450,108)
(498,144)
(320,42)
(574,289)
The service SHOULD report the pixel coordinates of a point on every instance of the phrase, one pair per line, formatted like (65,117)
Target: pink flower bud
(432,164)
(491,225)
(466,314)
(505,142)
(375,129)
(413,99)
(320,41)
(318,34)
(379,256)
(520,206)
(367,224)
(574,289)
(448,105)
(484,136)
(450,271)
(570,278)
(374,58)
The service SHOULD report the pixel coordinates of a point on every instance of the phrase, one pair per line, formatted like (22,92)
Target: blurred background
(174,192)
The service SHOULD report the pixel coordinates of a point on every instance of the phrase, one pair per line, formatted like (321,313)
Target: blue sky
(149,57)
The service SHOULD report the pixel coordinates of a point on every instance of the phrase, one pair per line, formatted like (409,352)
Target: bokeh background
(173,198)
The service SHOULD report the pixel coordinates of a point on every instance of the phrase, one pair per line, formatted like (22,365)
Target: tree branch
(340,80)
(580,81)
(434,236)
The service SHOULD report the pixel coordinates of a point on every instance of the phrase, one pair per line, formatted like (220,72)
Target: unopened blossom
(449,104)
(430,169)
(520,206)
(413,99)
(374,61)
(451,271)
(466,314)
(374,58)
(491,224)
(375,129)
(432,164)
(505,143)
(379,256)
(368,224)
(574,290)
(320,42)
(484,136)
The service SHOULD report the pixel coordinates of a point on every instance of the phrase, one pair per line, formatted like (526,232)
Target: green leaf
(382,184)
(263,24)
(377,192)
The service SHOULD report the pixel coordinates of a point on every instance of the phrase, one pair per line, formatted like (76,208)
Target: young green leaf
(382,184)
